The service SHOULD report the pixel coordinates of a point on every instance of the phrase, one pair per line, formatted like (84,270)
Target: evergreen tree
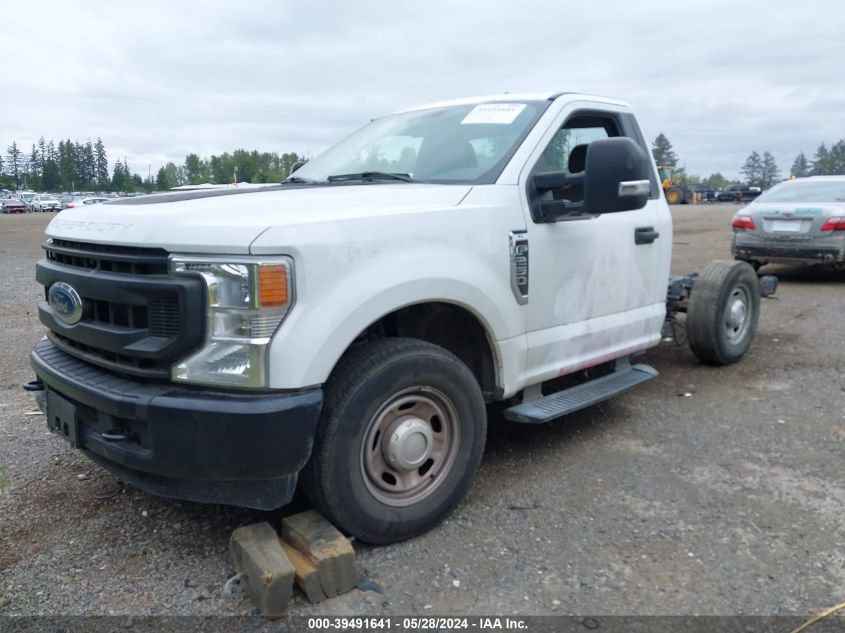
(36,161)
(119,178)
(33,169)
(67,170)
(77,152)
(800,168)
(50,176)
(101,165)
(663,153)
(52,154)
(821,162)
(769,172)
(89,165)
(14,163)
(162,184)
(753,170)
(837,158)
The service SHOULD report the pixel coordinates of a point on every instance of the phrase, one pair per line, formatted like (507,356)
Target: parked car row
(28,201)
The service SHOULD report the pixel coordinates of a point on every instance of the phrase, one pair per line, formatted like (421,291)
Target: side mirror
(297,165)
(616,176)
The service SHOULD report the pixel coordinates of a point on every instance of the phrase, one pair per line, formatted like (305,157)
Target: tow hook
(115,435)
(37,387)
(33,385)
(768,285)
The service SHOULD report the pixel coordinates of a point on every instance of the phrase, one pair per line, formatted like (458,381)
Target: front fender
(331,313)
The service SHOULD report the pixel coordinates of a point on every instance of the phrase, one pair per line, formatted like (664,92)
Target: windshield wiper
(296,180)
(370,175)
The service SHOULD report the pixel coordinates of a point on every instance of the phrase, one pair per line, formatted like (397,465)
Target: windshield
(457,144)
(805,191)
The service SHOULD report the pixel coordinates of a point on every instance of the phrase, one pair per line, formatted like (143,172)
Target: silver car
(799,220)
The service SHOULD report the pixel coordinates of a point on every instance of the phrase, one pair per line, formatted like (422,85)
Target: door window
(567,152)
(556,156)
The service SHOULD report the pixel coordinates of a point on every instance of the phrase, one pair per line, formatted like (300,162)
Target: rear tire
(400,438)
(723,310)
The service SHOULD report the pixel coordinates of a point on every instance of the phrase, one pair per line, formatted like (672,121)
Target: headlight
(247,298)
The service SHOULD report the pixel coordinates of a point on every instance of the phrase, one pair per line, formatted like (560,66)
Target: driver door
(596,293)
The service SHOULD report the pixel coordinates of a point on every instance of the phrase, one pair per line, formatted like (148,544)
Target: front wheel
(400,437)
(674,195)
(723,310)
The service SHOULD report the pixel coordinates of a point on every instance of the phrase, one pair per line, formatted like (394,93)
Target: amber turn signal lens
(272,286)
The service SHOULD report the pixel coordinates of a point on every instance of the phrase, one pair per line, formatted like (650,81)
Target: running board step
(581,396)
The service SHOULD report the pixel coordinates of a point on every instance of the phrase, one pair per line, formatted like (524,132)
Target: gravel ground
(728,501)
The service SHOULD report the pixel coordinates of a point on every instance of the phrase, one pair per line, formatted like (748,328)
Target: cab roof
(518,97)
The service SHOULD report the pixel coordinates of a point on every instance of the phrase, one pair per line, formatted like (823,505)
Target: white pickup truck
(345,329)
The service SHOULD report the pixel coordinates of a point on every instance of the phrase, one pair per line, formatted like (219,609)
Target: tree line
(238,166)
(75,166)
(758,170)
(68,165)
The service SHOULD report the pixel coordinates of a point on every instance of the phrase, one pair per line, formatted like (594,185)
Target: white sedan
(45,202)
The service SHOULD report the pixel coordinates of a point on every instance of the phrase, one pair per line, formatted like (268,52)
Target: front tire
(723,310)
(674,195)
(400,438)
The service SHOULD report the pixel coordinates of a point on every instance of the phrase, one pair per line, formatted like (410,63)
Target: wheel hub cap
(737,312)
(736,316)
(408,444)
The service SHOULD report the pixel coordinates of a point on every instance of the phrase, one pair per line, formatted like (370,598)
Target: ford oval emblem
(66,302)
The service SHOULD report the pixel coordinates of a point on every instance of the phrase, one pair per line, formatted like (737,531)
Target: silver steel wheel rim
(410,446)
(737,316)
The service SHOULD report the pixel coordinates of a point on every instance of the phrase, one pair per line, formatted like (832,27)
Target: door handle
(645,235)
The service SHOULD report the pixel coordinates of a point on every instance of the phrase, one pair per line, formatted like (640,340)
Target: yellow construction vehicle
(674,189)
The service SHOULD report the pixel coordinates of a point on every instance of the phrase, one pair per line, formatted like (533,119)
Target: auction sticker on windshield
(501,113)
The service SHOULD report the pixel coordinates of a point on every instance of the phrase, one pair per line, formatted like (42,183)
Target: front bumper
(825,249)
(206,446)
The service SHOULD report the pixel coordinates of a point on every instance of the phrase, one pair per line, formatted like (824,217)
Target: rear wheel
(724,307)
(401,435)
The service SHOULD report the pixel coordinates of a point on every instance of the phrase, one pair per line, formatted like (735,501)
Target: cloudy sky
(159,80)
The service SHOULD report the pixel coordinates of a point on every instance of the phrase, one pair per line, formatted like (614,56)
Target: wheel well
(451,327)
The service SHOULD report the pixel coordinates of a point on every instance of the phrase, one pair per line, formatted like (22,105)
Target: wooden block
(307,576)
(327,549)
(256,552)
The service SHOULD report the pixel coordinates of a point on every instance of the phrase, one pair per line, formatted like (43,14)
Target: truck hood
(210,223)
